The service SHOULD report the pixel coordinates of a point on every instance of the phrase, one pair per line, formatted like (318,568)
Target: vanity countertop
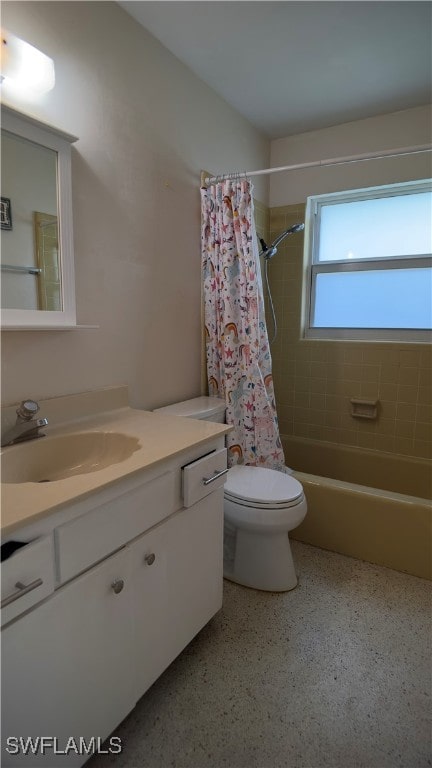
(160,436)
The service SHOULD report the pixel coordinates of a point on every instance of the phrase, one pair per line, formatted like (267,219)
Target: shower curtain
(237,347)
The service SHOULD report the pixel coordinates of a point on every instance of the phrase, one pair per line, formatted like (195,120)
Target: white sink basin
(48,459)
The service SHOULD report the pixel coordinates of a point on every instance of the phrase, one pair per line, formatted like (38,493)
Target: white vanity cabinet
(75,664)
(176,584)
(66,668)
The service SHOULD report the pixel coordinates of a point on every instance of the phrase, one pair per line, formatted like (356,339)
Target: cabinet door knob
(150,559)
(117,586)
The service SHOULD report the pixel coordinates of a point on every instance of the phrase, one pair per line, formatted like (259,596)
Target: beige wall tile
(301,399)
(351,388)
(348,422)
(388,392)
(318,353)
(348,437)
(406,411)
(367,425)
(317,417)
(426,357)
(369,390)
(352,371)
(301,414)
(335,387)
(409,376)
(422,449)
(424,413)
(318,385)
(424,395)
(334,352)
(386,426)
(302,384)
(407,393)
(423,431)
(277,224)
(317,401)
(384,443)
(381,353)
(425,377)
(303,353)
(335,402)
(404,445)
(389,373)
(410,358)
(332,418)
(366,440)
(353,354)
(330,435)
(387,409)
(318,370)
(300,429)
(404,428)
(315,432)
(302,369)
(370,373)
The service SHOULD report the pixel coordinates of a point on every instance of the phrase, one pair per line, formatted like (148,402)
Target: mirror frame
(27,127)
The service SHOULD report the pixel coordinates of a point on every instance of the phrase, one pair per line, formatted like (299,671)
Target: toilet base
(262,561)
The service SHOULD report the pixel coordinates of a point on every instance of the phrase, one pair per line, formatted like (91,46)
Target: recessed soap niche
(364,409)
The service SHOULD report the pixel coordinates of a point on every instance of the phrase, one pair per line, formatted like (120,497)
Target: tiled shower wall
(314,380)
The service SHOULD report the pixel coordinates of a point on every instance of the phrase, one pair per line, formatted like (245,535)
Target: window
(369,263)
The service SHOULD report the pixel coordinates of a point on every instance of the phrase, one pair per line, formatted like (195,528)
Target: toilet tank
(205,408)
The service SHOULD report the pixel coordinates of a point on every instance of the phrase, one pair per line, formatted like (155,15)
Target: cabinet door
(67,668)
(177,574)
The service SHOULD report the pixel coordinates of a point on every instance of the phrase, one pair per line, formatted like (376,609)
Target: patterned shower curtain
(237,346)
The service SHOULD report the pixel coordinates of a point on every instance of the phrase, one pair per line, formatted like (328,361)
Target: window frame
(313,267)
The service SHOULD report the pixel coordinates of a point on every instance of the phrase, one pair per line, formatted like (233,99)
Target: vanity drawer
(27,577)
(203,476)
(96,534)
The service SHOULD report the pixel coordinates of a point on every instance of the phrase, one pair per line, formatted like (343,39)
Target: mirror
(37,285)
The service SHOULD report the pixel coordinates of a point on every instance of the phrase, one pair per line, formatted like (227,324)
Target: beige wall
(411,127)
(146,127)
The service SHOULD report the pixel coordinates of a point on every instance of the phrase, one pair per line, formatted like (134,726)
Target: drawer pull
(207,480)
(117,586)
(22,589)
(150,559)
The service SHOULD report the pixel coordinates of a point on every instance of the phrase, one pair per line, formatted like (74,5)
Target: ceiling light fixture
(25,71)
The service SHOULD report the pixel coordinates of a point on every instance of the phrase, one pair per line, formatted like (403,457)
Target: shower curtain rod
(205,179)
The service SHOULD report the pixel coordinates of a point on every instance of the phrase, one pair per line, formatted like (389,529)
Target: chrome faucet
(26,426)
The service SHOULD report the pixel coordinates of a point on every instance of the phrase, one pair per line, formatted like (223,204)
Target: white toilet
(260,506)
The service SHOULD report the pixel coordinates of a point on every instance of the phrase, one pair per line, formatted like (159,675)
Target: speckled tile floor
(335,674)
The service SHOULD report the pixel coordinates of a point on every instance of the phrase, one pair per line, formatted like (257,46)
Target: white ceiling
(291,67)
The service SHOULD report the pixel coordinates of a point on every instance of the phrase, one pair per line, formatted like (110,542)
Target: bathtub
(370,505)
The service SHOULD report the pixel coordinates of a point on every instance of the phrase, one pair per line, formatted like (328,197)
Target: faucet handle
(27,409)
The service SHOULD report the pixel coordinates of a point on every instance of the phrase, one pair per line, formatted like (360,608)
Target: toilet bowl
(260,507)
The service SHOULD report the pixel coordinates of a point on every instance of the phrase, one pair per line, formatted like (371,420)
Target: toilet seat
(262,488)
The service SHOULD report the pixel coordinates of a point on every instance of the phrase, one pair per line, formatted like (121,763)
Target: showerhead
(271,250)
(296,228)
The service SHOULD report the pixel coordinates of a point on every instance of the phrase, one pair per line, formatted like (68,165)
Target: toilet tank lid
(196,408)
